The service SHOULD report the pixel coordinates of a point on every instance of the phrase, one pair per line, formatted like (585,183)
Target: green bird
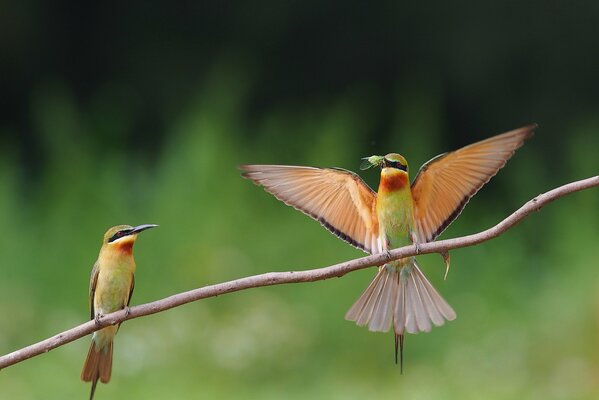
(398,214)
(110,288)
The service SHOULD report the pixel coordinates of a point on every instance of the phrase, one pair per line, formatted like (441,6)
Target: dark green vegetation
(140,115)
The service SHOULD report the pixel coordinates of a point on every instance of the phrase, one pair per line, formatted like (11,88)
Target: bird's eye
(118,235)
(395,164)
(124,232)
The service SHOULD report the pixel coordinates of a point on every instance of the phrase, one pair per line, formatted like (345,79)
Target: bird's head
(391,160)
(394,160)
(122,235)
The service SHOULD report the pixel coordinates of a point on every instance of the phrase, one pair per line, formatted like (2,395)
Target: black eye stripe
(395,164)
(119,235)
(392,164)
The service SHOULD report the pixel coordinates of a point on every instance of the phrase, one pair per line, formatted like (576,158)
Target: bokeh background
(139,112)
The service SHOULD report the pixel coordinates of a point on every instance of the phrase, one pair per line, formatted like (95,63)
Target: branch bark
(278,278)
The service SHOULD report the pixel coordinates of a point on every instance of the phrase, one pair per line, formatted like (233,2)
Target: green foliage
(526,302)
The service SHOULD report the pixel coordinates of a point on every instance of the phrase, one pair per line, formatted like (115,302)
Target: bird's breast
(395,207)
(393,180)
(115,277)
(112,289)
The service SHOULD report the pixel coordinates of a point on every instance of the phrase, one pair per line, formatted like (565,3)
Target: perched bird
(110,289)
(398,214)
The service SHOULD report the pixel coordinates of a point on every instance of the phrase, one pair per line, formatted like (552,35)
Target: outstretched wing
(338,199)
(444,185)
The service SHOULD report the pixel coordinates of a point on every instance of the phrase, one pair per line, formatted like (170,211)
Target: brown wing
(336,198)
(130,295)
(131,290)
(444,185)
(93,280)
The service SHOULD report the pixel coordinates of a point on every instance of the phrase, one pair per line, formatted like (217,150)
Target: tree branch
(278,278)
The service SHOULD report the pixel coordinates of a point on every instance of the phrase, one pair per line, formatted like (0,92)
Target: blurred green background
(139,112)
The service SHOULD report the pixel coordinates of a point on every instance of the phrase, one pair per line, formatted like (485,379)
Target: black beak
(141,228)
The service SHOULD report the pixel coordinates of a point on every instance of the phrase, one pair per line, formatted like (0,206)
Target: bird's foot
(127,311)
(417,247)
(388,254)
(415,241)
(97,318)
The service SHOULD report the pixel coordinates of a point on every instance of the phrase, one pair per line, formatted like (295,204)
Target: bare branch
(278,278)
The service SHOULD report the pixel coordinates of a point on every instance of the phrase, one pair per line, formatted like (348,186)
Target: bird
(110,288)
(400,213)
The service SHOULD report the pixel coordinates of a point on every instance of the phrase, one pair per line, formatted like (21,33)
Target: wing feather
(93,280)
(340,200)
(444,185)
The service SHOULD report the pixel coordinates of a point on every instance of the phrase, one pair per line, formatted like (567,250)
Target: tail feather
(371,308)
(383,317)
(369,304)
(90,366)
(98,365)
(417,319)
(402,296)
(435,310)
(105,366)
(399,340)
(362,309)
(438,309)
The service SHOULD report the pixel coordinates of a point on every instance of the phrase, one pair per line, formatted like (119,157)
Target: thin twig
(278,278)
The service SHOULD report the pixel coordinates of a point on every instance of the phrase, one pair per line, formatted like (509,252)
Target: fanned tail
(98,365)
(401,296)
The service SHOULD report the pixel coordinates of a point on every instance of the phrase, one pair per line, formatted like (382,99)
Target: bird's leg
(415,241)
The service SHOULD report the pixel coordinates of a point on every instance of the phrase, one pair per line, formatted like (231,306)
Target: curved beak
(141,228)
